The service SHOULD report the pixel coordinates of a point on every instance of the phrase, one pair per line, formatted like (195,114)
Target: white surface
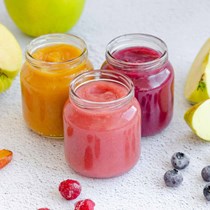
(31,180)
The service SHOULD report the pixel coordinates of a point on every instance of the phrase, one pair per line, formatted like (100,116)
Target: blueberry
(206,192)
(179,160)
(173,178)
(205,173)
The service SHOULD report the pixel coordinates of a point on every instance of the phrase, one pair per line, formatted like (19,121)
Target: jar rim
(137,36)
(99,74)
(54,36)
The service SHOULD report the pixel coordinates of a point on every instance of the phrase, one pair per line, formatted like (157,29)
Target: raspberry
(86,204)
(70,189)
(43,209)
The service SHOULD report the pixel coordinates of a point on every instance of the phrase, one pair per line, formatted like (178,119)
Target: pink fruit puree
(153,88)
(102,142)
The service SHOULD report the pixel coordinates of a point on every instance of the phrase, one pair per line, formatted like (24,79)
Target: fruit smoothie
(102,141)
(153,83)
(45,79)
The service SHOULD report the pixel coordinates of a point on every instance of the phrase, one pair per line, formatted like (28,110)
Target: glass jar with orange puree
(52,61)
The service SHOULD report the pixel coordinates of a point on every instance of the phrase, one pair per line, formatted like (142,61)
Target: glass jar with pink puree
(102,124)
(144,58)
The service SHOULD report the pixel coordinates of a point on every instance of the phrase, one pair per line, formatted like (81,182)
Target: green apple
(38,17)
(198,119)
(197,86)
(10,58)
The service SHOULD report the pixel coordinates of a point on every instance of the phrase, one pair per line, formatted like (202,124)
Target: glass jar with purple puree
(144,58)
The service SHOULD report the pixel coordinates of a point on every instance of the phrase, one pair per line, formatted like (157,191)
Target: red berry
(43,209)
(70,189)
(86,204)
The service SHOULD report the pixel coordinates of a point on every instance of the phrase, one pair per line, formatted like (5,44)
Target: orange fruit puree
(57,53)
(45,86)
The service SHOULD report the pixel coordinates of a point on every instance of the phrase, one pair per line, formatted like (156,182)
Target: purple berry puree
(153,88)
(136,55)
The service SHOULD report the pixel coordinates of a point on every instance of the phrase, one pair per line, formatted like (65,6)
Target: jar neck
(105,76)
(137,40)
(54,39)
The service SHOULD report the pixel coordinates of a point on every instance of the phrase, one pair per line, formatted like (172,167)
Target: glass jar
(52,61)
(102,124)
(144,58)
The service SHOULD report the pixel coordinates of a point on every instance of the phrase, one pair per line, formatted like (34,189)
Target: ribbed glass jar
(144,58)
(102,124)
(52,61)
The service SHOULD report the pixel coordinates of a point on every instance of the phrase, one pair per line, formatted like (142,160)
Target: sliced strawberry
(5,157)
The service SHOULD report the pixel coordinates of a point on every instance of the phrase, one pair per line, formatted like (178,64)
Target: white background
(31,180)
